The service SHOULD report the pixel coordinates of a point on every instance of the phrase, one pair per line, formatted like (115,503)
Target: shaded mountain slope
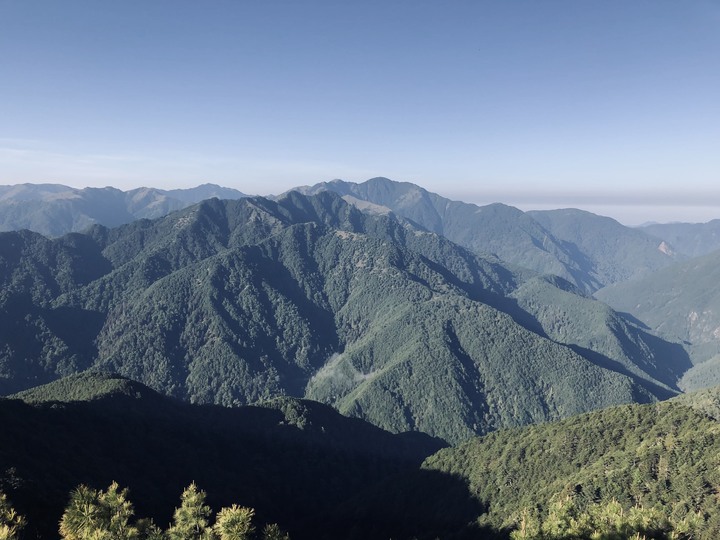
(230,302)
(294,461)
(604,249)
(663,456)
(54,210)
(680,302)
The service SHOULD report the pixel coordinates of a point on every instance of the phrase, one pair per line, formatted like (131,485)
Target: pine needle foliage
(235,523)
(191,520)
(11,523)
(98,515)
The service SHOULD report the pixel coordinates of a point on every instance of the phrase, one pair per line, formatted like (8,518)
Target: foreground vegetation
(98,515)
(634,471)
(658,465)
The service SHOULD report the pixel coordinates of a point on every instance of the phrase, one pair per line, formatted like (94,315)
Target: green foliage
(272,531)
(608,521)
(11,523)
(96,515)
(657,463)
(191,520)
(106,515)
(234,523)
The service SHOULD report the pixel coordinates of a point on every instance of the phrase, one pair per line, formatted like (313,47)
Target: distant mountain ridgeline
(588,250)
(689,239)
(231,302)
(54,210)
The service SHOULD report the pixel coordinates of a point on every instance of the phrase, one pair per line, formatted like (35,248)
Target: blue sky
(610,105)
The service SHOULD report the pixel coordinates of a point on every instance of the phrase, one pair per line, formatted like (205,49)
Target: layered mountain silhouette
(54,210)
(232,302)
(588,250)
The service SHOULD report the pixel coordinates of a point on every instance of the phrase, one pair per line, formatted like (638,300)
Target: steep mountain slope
(54,210)
(588,250)
(294,461)
(690,239)
(230,302)
(664,457)
(606,250)
(679,302)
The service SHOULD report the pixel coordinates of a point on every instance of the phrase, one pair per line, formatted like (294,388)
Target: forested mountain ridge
(230,302)
(54,210)
(590,251)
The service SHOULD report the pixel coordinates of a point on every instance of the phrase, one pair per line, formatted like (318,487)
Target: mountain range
(54,210)
(231,302)
(314,356)
(589,251)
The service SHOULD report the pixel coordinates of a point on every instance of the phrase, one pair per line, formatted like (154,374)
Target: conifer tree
(235,523)
(95,515)
(273,532)
(191,520)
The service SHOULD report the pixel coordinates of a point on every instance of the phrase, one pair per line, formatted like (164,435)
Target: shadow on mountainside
(298,463)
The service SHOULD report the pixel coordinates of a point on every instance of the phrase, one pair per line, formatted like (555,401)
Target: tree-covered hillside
(661,459)
(230,302)
(604,249)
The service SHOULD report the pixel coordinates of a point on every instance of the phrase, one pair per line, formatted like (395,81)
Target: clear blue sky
(535,103)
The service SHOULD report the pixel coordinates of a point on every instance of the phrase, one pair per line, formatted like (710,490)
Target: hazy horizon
(595,105)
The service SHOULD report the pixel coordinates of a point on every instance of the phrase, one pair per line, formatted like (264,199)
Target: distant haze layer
(630,209)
